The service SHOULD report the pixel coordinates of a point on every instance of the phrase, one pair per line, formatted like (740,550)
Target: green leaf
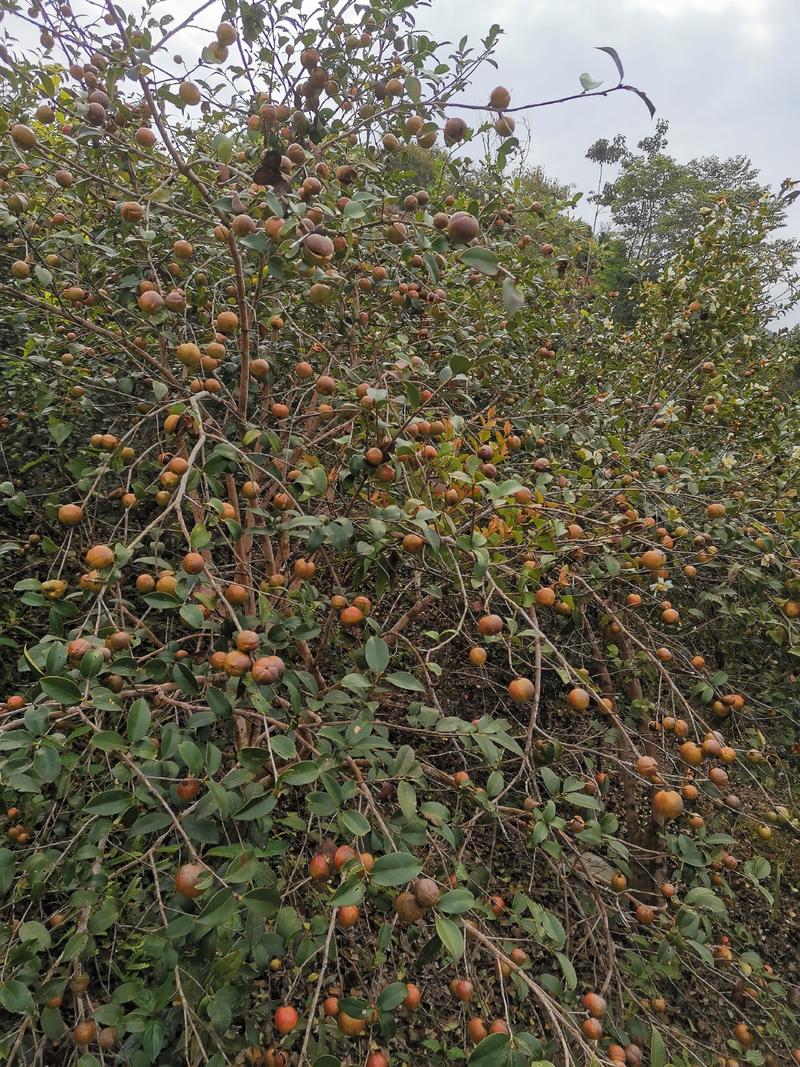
(199,537)
(456,902)
(353,822)
(63,690)
(47,764)
(413,88)
(657,1050)
(491,1052)
(451,936)
(377,654)
(53,1023)
(512,297)
(218,702)
(7,864)
(570,977)
(192,615)
(395,868)
(407,799)
(112,802)
(480,259)
(588,82)
(37,932)
(404,680)
(351,891)
(264,902)
(75,946)
(303,773)
(224,147)
(354,210)
(355,1007)
(552,782)
(392,996)
(703,897)
(256,808)
(139,719)
(16,998)
(59,431)
(256,242)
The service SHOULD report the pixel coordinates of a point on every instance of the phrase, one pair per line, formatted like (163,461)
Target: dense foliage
(401,649)
(654,206)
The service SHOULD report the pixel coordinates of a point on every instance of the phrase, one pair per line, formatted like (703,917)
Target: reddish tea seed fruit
(426,892)
(236,664)
(99,557)
(497,905)
(463,227)
(413,543)
(236,594)
(592,1029)
(193,563)
(594,1004)
(490,625)
(407,909)
(70,514)
(186,880)
(462,989)
(330,1007)
(285,1019)
(84,1032)
(647,766)
(349,1026)
(342,855)
(319,869)
(653,559)
(578,699)
(413,997)
(188,789)
(476,1030)
(107,1038)
(667,804)
(521,690)
(347,916)
(247,641)
(691,753)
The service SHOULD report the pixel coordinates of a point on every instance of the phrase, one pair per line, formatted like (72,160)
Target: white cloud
(752,17)
(749,9)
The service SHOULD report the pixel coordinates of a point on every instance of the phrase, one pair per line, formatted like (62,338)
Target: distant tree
(657,205)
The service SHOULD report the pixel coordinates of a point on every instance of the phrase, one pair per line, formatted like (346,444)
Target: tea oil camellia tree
(403,652)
